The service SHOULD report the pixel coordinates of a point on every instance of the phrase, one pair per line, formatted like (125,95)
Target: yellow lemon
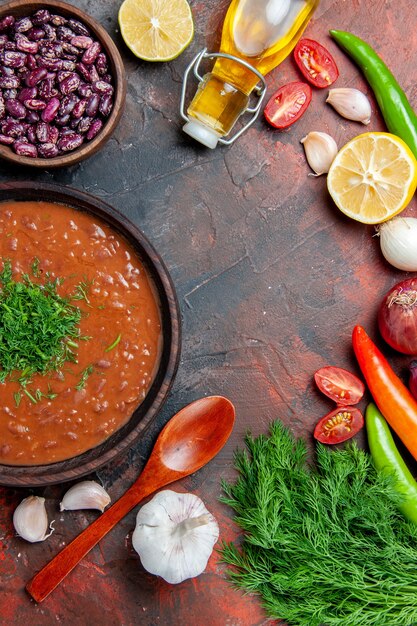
(156,30)
(373,177)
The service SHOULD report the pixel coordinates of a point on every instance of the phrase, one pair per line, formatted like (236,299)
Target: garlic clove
(398,240)
(351,104)
(85,495)
(174,536)
(320,149)
(30,520)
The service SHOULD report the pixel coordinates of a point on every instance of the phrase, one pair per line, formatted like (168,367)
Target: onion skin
(397,317)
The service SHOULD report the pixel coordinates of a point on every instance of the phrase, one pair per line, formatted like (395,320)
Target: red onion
(397,317)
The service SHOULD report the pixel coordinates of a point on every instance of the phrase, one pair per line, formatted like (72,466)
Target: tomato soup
(61,414)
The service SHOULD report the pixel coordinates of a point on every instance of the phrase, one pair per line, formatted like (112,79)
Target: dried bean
(16,109)
(13,59)
(53,134)
(9,82)
(10,45)
(25,149)
(92,105)
(41,17)
(102,64)
(85,90)
(23,24)
(51,49)
(70,142)
(63,74)
(35,76)
(7,141)
(95,128)
(2,107)
(6,22)
(12,128)
(101,87)
(32,117)
(83,70)
(91,53)
(58,20)
(94,75)
(27,93)
(78,27)
(64,33)
(46,89)
(35,34)
(50,64)
(67,104)
(48,150)
(25,45)
(81,42)
(7,71)
(3,40)
(51,110)
(42,132)
(74,122)
(31,135)
(70,49)
(84,124)
(79,108)
(10,94)
(50,32)
(35,104)
(62,120)
(68,65)
(31,62)
(107,78)
(69,84)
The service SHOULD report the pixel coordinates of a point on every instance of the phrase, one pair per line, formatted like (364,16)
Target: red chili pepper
(392,397)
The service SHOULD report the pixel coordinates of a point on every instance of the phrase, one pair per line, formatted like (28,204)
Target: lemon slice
(156,30)
(373,177)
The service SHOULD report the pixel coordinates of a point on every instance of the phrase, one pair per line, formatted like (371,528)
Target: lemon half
(156,30)
(373,177)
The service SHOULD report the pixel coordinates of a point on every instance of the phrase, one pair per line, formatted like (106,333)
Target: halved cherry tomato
(339,385)
(288,104)
(315,63)
(339,425)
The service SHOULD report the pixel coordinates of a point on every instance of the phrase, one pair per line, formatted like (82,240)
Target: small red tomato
(315,63)
(339,385)
(288,104)
(339,425)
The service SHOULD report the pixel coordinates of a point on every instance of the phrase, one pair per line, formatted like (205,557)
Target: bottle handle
(259,89)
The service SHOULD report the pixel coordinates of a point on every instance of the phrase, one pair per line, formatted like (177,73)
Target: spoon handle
(64,562)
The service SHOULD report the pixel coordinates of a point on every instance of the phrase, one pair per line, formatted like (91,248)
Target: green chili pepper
(396,110)
(387,459)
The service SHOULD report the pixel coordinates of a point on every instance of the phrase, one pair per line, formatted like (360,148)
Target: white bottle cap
(202,133)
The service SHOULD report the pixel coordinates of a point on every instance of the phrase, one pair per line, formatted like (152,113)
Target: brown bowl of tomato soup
(89,334)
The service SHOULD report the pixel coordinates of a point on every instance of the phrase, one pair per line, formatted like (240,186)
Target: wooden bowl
(20,8)
(123,439)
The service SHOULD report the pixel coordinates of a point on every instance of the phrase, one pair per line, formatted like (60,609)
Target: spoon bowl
(191,438)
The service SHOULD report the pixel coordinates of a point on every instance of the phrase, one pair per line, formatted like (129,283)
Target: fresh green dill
(39,329)
(84,376)
(82,290)
(17,398)
(114,344)
(35,268)
(322,545)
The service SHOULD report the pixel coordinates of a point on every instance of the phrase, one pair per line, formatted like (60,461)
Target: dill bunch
(38,328)
(322,545)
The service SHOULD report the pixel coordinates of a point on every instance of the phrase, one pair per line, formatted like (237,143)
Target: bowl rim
(145,413)
(22,7)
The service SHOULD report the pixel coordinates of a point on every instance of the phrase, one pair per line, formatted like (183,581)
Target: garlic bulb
(398,239)
(174,536)
(85,495)
(320,149)
(31,520)
(350,103)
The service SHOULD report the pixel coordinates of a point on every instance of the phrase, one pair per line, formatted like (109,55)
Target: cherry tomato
(339,425)
(339,385)
(315,63)
(288,104)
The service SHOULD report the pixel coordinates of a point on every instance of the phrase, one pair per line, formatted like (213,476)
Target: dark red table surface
(270,276)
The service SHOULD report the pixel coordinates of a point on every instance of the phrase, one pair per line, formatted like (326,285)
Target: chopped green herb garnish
(114,344)
(81,291)
(17,398)
(35,268)
(84,375)
(38,328)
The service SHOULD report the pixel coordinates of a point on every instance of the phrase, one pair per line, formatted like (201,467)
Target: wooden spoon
(192,437)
